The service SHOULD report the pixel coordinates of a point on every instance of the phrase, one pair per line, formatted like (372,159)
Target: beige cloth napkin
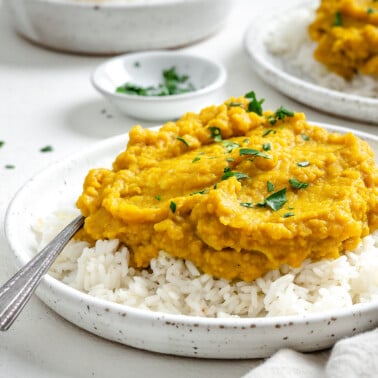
(354,357)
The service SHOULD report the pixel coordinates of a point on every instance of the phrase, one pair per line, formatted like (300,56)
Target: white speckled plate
(59,186)
(278,73)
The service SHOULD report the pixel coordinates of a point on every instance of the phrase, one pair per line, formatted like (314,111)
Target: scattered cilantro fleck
(305,137)
(196,159)
(215,186)
(181,139)
(204,191)
(215,134)
(158,197)
(276,200)
(251,151)
(370,11)
(266,146)
(296,184)
(338,21)
(230,146)
(282,112)
(269,186)
(2,143)
(272,119)
(46,149)
(230,160)
(227,169)
(254,106)
(136,64)
(303,163)
(268,131)
(246,204)
(261,204)
(9,166)
(172,206)
(234,104)
(237,175)
(288,214)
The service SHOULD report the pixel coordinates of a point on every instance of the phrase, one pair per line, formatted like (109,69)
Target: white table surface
(47,99)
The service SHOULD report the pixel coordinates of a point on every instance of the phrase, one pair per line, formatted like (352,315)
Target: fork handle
(16,292)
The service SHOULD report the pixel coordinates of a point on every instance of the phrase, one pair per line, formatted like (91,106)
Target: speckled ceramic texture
(106,27)
(146,69)
(273,71)
(228,338)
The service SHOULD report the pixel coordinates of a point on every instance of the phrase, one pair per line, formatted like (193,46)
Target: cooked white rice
(288,39)
(178,287)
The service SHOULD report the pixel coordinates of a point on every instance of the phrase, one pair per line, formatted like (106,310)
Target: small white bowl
(117,26)
(146,69)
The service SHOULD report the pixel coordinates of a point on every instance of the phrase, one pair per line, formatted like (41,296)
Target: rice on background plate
(287,37)
(176,286)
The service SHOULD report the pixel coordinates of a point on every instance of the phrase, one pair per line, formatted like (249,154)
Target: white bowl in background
(110,27)
(146,69)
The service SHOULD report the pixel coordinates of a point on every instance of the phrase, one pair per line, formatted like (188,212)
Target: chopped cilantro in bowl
(162,86)
(172,84)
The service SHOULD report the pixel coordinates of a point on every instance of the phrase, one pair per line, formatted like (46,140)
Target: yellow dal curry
(235,192)
(347,35)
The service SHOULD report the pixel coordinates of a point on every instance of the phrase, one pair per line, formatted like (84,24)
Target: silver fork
(16,292)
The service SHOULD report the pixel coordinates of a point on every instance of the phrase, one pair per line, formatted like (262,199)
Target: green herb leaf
(237,175)
(158,197)
(296,184)
(9,166)
(172,206)
(230,160)
(197,158)
(268,131)
(246,204)
(234,104)
(282,112)
(215,134)
(230,146)
(370,11)
(251,151)
(288,214)
(272,119)
(266,146)
(276,200)
(269,186)
(2,143)
(46,149)
(204,191)
(303,163)
(305,137)
(181,139)
(338,21)
(254,105)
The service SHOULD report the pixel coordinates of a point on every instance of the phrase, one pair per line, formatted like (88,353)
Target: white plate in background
(276,71)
